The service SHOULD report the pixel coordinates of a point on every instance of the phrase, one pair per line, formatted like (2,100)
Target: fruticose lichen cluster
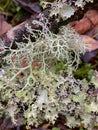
(64,8)
(37,81)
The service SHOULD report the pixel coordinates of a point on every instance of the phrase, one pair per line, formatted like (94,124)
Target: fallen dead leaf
(85,24)
(93,33)
(46,125)
(90,43)
(30,6)
(4,26)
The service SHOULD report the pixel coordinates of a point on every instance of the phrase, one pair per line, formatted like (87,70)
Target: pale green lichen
(36,86)
(64,8)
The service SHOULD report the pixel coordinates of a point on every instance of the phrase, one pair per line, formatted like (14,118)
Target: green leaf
(81,129)
(60,66)
(55,128)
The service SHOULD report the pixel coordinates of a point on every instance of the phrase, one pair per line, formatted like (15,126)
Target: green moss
(85,71)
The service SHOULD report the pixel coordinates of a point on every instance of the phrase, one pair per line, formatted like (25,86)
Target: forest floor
(13,18)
